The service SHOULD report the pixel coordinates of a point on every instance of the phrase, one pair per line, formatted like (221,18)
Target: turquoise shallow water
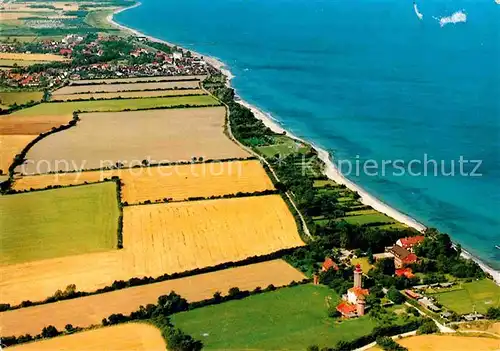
(368,80)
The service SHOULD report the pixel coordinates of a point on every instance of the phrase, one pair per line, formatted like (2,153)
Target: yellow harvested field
(188,235)
(124,337)
(163,238)
(10,146)
(89,310)
(176,182)
(136,79)
(449,343)
(7,16)
(113,88)
(30,125)
(31,57)
(102,139)
(127,94)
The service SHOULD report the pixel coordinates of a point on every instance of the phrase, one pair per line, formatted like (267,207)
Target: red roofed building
(407,272)
(329,263)
(66,52)
(413,294)
(402,256)
(409,242)
(347,309)
(354,301)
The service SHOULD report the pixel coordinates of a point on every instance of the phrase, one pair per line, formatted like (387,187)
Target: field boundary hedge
(124,98)
(134,281)
(175,304)
(75,82)
(130,91)
(205,198)
(161,164)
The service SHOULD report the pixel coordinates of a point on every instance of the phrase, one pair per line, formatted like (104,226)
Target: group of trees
(439,256)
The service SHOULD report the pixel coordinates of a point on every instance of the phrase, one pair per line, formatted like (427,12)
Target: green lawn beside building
(286,319)
(478,295)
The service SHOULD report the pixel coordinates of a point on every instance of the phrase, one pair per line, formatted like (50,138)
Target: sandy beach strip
(330,171)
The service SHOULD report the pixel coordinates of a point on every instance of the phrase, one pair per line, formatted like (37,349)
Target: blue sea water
(367,79)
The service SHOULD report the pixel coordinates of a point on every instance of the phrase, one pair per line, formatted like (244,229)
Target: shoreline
(330,170)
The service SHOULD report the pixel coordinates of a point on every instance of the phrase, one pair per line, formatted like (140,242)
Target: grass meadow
(19,97)
(287,319)
(60,222)
(478,295)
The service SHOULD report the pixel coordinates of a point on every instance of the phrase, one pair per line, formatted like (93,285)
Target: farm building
(429,304)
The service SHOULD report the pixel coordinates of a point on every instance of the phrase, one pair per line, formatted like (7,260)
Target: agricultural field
(176,182)
(478,295)
(449,343)
(30,125)
(89,310)
(114,88)
(103,139)
(67,108)
(128,94)
(10,146)
(287,319)
(14,63)
(136,80)
(188,235)
(32,57)
(163,238)
(19,97)
(56,223)
(124,337)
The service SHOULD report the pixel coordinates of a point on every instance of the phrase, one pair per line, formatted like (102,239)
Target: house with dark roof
(402,256)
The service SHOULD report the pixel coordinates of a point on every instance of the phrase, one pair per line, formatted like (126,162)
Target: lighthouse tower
(358,273)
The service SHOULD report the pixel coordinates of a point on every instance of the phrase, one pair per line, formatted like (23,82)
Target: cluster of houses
(62,47)
(164,64)
(45,79)
(403,254)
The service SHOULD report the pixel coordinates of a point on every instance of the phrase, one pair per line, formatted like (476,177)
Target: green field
(64,108)
(286,319)
(366,217)
(323,183)
(480,295)
(59,222)
(19,97)
(283,147)
(98,19)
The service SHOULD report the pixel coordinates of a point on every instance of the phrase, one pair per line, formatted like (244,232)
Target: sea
(413,86)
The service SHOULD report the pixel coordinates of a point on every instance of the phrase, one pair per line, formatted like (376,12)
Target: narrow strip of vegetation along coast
(330,169)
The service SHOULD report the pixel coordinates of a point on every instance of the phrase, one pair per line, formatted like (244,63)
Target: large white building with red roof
(409,242)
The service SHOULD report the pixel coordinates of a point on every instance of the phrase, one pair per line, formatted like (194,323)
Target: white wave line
(418,13)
